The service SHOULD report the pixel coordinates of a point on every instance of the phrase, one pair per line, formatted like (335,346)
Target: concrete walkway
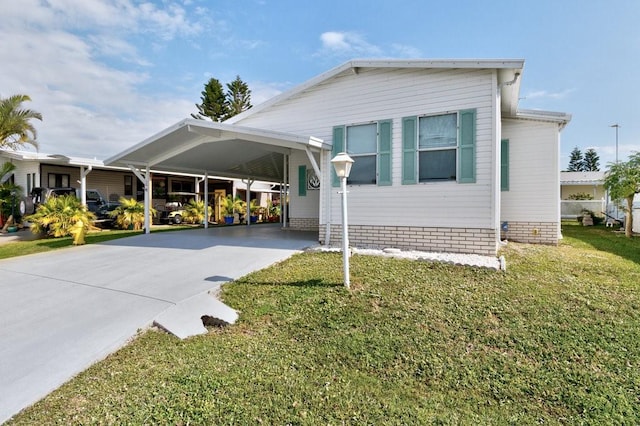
(60,312)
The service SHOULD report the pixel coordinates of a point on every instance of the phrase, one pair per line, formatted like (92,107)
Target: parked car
(103,214)
(30,203)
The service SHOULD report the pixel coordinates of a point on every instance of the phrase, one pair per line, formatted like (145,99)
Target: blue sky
(108,74)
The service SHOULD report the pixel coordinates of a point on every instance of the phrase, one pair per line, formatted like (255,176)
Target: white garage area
(218,149)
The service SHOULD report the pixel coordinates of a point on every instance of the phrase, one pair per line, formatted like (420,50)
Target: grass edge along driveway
(555,340)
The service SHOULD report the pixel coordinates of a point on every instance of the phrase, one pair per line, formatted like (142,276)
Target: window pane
(362,139)
(437,165)
(438,131)
(363,171)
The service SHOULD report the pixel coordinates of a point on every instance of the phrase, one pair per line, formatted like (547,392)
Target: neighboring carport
(211,148)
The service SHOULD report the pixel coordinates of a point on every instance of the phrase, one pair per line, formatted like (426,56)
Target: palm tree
(16,129)
(194,211)
(130,214)
(61,216)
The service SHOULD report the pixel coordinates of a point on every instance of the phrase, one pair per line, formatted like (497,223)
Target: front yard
(555,340)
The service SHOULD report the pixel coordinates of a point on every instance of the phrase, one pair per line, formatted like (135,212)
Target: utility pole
(617,126)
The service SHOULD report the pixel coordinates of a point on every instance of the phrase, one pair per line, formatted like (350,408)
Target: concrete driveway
(61,312)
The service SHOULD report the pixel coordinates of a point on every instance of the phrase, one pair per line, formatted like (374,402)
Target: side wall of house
(110,183)
(440,216)
(531,205)
(25,174)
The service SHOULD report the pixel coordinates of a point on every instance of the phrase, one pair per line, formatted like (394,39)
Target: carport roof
(198,146)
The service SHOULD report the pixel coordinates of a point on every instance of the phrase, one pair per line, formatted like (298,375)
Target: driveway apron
(62,311)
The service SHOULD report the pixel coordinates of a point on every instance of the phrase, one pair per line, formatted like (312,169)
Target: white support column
(84,171)
(147,201)
(284,205)
(247,200)
(145,177)
(206,200)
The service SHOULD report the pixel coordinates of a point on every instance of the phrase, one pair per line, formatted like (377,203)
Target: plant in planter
(228,207)
(130,214)
(254,208)
(61,216)
(273,211)
(194,211)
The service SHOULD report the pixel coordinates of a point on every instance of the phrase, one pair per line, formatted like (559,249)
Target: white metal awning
(198,146)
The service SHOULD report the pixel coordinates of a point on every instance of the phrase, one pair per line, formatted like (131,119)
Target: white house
(444,159)
(443,156)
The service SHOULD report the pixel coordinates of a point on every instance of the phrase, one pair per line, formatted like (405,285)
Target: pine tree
(214,104)
(591,162)
(238,97)
(576,162)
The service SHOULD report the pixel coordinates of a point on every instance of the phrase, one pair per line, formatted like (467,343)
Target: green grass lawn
(555,340)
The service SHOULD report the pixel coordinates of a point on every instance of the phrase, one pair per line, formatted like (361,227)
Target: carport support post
(146,178)
(206,200)
(84,171)
(247,197)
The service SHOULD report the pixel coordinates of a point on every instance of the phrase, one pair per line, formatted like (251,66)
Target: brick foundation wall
(303,224)
(532,232)
(452,240)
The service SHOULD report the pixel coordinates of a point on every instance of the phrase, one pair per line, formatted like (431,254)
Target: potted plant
(228,207)
(254,208)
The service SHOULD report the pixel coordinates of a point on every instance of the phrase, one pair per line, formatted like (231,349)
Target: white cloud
(347,43)
(544,94)
(56,52)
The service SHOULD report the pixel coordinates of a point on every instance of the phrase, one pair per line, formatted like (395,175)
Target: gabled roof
(199,146)
(509,71)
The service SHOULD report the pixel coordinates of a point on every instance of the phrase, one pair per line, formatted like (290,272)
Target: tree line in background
(589,162)
(218,105)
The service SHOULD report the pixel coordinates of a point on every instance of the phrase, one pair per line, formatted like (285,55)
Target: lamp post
(342,164)
(617,126)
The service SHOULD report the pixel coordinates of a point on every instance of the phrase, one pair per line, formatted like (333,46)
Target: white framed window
(437,147)
(58,180)
(362,146)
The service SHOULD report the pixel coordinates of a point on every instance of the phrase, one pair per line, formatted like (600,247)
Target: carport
(210,148)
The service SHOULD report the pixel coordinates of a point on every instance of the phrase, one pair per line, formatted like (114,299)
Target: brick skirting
(452,240)
(303,224)
(532,232)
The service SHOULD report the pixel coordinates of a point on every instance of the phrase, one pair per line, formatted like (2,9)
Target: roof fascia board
(379,63)
(555,117)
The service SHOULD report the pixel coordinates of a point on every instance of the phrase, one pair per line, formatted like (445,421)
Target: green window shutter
(302,181)
(467,147)
(338,146)
(384,153)
(504,165)
(409,143)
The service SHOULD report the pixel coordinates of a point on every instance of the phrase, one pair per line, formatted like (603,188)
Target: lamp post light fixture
(342,164)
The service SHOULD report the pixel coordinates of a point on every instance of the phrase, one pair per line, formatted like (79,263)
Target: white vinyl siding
(395,93)
(534,190)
